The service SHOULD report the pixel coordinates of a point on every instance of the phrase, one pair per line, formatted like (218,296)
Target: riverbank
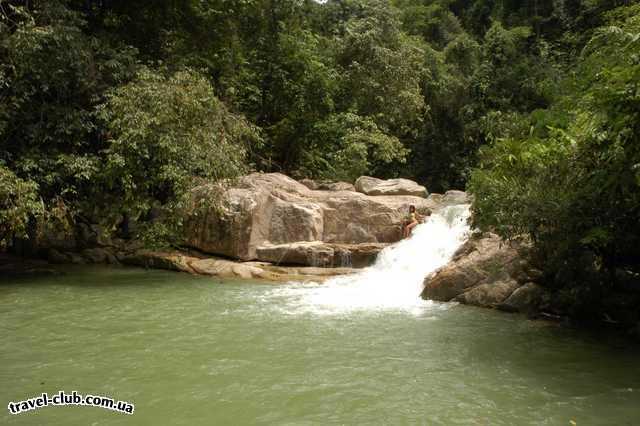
(271,227)
(187,262)
(538,308)
(265,226)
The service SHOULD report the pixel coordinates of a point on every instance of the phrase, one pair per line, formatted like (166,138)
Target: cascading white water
(395,280)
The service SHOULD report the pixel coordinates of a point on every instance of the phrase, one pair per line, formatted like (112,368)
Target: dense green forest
(112,107)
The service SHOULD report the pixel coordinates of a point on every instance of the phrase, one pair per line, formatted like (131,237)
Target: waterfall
(395,280)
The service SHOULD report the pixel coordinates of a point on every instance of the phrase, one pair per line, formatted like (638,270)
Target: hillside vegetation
(110,109)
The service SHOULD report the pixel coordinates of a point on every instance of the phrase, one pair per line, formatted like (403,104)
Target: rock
(449,198)
(309,183)
(373,186)
(266,209)
(172,261)
(488,294)
(227,230)
(103,236)
(454,197)
(99,255)
(112,259)
(436,198)
(314,253)
(526,298)
(181,262)
(327,185)
(86,236)
(260,270)
(119,243)
(485,259)
(356,255)
(354,218)
(92,235)
(56,257)
(131,246)
(336,186)
(318,253)
(301,221)
(304,271)
(228,269)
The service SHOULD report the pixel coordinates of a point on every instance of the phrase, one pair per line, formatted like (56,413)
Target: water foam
(395,280)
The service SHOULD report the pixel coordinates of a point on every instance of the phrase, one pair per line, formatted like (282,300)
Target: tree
(53,76)
(345,146)
(432,20)
(164,131)
(382,69)
(19,204)
(576,190)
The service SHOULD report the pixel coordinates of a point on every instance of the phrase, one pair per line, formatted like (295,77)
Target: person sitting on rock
(412,221)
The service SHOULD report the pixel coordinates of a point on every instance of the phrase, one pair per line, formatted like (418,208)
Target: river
(195,350)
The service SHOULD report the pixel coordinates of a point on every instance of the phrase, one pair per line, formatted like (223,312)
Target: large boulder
(266,209)
(489,294)
(356,255)
(485,271)
(373,186)
(527,298)
(224,268)
(314,253)
(229,269)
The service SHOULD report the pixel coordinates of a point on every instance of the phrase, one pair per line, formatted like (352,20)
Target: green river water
(196,351)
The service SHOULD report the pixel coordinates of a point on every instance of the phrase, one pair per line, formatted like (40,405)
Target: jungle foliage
(570,178)
(111,107)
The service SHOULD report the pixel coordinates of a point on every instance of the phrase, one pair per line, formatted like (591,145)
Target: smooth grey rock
(488,294)
(484,259)
(264,209)
(374,186)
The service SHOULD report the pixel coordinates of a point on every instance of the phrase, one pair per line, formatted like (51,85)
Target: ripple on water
(187,350)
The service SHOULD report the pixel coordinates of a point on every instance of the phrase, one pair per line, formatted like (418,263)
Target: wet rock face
(487,271)
(314,253)
(270,209)
(318,253)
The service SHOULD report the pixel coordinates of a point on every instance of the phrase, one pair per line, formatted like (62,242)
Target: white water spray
(395,280)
